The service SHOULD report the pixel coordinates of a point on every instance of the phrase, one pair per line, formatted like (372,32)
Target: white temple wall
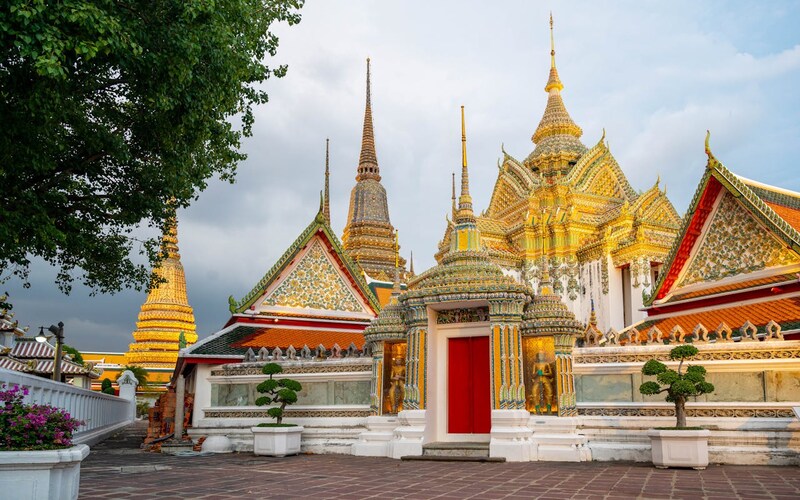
(202,392)
(615,304)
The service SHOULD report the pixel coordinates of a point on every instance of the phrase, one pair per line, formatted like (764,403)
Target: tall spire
(368,161)
(465,200)
(411,264)
(557,137)
(326,210)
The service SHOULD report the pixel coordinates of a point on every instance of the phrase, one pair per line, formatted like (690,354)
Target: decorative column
(408,437)
(510,435)
(416,357)
(376,384)
(567,403)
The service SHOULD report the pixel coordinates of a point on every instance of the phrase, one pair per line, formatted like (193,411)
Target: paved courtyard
(114,470)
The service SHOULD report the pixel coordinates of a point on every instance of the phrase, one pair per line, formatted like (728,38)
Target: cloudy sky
(655,75)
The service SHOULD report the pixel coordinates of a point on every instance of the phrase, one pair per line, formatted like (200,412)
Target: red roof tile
(790,215)
(285,337)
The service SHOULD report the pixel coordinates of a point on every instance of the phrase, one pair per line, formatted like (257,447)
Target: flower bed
(37,459)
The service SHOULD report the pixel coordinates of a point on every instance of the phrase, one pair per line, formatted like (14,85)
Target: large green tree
(115,112)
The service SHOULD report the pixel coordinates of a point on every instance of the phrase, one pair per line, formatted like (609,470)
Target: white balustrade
(102,414)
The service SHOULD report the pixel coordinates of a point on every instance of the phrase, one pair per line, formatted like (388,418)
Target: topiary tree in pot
(277,439)
(678,386)
(282,391)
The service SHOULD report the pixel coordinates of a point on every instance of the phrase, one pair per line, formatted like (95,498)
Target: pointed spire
(553,82)
(368,160)
(593,316)
(465,213)
(411,266)
(326,208)
(545,284)
(169,240)
(453,196)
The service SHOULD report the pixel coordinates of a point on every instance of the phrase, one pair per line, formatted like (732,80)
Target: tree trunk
(680,411)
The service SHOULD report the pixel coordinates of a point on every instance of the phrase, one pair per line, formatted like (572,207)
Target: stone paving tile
(336,476)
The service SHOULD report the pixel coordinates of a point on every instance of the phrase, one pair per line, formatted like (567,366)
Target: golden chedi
(166,321)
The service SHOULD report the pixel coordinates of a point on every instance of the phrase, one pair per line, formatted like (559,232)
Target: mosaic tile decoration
(314,284)
(735,243)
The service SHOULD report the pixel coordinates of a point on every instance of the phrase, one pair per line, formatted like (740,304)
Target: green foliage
(114,113)
(271,369)
(282,391)
(77,357)
(107,387)
(676,384)
(138,372)
(654,367)
(649,388)
(683,351)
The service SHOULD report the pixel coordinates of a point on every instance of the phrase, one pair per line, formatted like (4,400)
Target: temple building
(734,271)
(165,324)
(572,206)
(313,304)
(477,354)
(369,237)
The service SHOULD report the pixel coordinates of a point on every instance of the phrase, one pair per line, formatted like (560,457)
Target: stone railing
(631,336)
(103,414)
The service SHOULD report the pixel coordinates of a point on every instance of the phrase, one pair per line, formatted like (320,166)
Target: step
(465,449)
(440,458)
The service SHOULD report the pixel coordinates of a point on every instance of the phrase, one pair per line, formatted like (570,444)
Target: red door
(468,395)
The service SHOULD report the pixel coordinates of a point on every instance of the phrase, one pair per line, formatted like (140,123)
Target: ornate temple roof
(165,319)
(557,137)
(749,235)
(313,277)
(369,235)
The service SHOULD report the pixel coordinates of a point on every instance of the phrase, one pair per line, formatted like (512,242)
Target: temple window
(655,272)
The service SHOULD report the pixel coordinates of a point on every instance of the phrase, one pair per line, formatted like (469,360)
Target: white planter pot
(679,448)
(42,475)
(276,441)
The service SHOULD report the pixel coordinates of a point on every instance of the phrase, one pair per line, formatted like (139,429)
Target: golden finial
(604,135)
(411,265)
(326,211)
(552,44)
(553,82)
(453,196)
(465,200)
(463,140)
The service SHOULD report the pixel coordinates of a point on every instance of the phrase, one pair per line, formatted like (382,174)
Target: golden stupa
(166,320)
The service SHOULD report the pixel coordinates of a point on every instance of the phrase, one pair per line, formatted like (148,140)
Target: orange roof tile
(782,311)
(285,337)
(778,278)
(790,215)
(383,295)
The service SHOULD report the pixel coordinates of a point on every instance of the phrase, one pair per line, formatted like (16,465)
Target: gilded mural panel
(314,284)
(735,243)
(394,377)
(539,361)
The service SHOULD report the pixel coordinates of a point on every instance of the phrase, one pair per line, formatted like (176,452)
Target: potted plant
(276,439)
(36,453)
(678,446)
